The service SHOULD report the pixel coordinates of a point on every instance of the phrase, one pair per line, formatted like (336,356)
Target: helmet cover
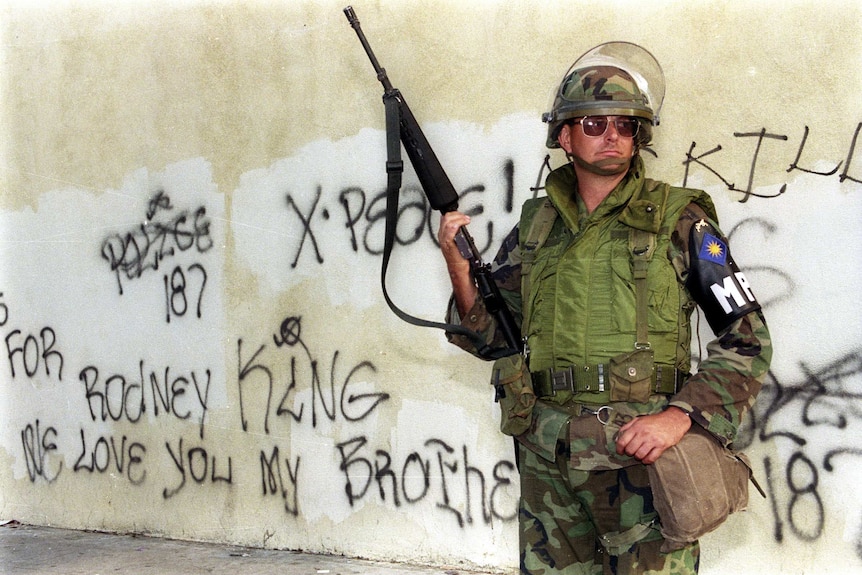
(612,79)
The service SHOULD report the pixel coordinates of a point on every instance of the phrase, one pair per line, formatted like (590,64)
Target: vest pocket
(662,291)
(631,375)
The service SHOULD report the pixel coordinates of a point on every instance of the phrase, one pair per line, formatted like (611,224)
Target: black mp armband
(714,280)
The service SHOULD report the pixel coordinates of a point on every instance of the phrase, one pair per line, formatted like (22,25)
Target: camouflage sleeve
(728,380)
(506,272)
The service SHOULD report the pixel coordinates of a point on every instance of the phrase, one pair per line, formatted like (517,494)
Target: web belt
(666,379)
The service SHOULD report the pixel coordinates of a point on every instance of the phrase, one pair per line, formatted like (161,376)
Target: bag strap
(394,170)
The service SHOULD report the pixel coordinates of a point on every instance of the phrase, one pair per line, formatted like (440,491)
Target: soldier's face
(608,154)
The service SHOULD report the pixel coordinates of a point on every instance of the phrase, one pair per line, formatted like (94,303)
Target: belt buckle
(562,380)
(667,383)
(601,372)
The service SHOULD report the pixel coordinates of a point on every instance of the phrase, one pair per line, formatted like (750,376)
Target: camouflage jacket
(717,396)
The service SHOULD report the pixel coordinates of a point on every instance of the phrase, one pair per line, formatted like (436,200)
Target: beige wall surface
(196,344)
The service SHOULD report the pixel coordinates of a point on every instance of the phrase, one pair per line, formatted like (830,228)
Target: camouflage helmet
(612,79)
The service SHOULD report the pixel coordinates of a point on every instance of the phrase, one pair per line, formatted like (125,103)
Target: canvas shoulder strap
(642,246)
(535,229)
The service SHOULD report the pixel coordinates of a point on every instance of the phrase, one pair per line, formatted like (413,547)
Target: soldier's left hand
(646,437)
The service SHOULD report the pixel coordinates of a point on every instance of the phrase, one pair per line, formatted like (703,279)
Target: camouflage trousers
(592,522)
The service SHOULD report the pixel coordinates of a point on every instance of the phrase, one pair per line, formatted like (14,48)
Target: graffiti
(117,397)
(96,457)
(762,136)
(364,218)
(797,412)
(37,445)
(773,274)
(33,352)
(352,407)
(844,174)
(133,253)
(284,388)
(411,482)
(273,479)
(306,225)
(178,291)
(363,214)
(29,352)
(202,467)
(747,192)
(823,399)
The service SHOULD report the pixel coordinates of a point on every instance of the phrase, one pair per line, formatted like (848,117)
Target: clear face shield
(639,67)
(611,79)
(635,60)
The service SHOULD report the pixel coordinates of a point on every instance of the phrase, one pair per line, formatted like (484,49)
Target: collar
(562,185)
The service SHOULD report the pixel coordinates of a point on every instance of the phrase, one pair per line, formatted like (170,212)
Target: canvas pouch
(514,394)
(696,485)
(631,376)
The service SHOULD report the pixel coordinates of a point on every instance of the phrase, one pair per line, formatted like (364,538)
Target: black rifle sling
(394,170)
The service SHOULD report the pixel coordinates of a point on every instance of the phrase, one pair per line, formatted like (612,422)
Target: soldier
(603,275)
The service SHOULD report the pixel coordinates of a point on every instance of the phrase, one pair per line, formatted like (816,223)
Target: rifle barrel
(381,72)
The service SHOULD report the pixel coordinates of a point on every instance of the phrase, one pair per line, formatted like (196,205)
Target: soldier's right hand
(450,223)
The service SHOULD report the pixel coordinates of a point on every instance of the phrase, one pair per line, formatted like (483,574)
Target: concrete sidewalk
(29,550)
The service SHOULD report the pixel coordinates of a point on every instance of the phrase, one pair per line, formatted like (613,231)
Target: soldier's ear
(565,138)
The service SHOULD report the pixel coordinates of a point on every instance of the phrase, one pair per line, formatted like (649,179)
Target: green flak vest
(580,302)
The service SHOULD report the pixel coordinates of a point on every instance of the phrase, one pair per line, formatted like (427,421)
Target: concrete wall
(195,340)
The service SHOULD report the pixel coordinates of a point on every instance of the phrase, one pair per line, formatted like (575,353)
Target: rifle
(443,197)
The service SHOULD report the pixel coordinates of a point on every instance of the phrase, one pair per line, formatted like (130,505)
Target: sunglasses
(595,126)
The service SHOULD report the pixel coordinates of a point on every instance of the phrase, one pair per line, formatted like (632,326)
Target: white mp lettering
(746,287)
(728,289)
